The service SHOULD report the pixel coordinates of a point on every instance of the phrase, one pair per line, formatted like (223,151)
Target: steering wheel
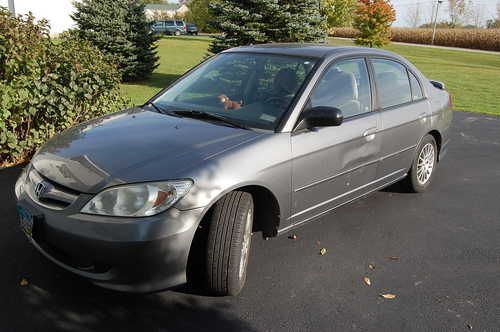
(278,101)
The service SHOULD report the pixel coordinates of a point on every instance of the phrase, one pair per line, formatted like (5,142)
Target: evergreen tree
(262,21)
(120,29)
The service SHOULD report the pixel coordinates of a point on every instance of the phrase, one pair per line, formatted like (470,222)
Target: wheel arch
(439,140)
(267,213)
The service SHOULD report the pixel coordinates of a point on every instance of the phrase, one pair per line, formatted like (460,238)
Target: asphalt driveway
(444,271)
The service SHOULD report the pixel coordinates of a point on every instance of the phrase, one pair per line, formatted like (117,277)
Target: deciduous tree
(373,18)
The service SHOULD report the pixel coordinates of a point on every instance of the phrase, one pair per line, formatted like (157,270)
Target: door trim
(292,226)
(345,194)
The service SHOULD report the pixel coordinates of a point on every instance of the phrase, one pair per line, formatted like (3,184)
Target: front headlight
(138,200)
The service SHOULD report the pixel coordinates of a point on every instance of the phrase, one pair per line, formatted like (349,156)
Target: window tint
(344,85)
(393,86)
(179,23)
(416,90)
(169,23)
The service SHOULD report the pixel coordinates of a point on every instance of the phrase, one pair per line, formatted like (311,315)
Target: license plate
(26,220)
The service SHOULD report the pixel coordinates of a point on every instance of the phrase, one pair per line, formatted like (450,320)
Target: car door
(404,115)
(333,165)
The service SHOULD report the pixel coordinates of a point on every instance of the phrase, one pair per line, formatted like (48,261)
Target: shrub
(262,21)
(339,13)
(481,39)
(46,86)
(120,29)
(373,19)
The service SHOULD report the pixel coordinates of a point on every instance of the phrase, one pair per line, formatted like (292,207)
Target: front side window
(346,86)
(179,23)
(254,89)
(392,82)
(169,23)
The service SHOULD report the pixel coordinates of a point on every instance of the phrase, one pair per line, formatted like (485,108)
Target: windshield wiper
(160,109)
(210,116)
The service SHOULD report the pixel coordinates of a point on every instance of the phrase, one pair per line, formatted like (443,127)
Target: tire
(228,244)
(424,166)
(177,33)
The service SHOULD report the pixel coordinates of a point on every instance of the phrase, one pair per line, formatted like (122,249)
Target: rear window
(392,82)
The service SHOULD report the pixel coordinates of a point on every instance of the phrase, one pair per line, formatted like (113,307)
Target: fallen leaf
(388,296)
(322,251)
(469,326)
(367,281)
(318,243)
(371,266)
(293,237)
(393,258)
(24,282)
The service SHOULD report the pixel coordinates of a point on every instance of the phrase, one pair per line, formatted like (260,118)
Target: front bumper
(126,254)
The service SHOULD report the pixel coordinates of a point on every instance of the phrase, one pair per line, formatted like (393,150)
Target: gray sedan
(256,139)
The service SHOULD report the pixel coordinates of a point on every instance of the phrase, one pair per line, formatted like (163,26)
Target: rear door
(332,165)
(404,115)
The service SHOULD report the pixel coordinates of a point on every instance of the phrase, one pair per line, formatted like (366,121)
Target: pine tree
(120,29)
(263,21)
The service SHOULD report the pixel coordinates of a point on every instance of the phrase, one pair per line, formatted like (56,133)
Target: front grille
(49,193)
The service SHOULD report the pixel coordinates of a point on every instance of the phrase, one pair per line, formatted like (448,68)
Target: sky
(58,11)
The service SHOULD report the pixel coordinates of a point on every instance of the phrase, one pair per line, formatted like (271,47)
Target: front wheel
(177,33)
(424,166)
(228,244)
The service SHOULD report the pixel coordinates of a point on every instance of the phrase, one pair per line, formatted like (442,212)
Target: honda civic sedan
(256,139)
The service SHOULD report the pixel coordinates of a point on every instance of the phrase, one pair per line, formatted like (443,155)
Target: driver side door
(333,165)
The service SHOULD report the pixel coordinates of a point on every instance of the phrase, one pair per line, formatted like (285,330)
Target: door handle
(369,133)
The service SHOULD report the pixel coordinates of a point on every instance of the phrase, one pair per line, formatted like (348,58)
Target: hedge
(481,39)
(47,86)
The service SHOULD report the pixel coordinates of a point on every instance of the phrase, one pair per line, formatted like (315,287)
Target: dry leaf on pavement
(322,251)
(371,266)
(393,258)
(293,237)
(24,282)
(388,296)
(367,281)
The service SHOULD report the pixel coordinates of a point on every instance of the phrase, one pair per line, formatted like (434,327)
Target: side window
(416,90)
(179,23)
(393,86)
(344,85)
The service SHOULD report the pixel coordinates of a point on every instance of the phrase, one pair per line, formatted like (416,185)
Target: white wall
(55,11)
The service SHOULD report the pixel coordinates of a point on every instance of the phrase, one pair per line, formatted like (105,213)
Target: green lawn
(472,77)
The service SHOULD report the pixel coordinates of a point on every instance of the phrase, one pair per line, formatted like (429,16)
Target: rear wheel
(424,166)
(228,244)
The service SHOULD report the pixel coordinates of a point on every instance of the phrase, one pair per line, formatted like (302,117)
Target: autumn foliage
(373,19)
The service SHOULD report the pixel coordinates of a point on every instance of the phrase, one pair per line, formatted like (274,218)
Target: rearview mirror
(321,116)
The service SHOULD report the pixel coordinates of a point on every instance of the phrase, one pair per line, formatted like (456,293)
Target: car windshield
(252,89)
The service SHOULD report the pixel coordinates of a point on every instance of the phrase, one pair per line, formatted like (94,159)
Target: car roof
(310,50)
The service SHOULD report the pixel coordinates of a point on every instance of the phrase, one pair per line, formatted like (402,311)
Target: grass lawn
(472,77)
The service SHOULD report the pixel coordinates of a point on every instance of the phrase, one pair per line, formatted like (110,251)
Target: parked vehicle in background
(191,29)
(170,27)
(258,138)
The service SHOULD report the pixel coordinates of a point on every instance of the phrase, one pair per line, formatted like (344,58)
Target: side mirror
(321,116)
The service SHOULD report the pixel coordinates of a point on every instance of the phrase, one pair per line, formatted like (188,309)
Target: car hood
(133,146)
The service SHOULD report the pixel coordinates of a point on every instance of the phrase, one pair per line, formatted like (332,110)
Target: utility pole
(435,21)
(12,8)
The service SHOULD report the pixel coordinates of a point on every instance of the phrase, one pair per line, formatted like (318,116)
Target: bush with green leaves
(47,86)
